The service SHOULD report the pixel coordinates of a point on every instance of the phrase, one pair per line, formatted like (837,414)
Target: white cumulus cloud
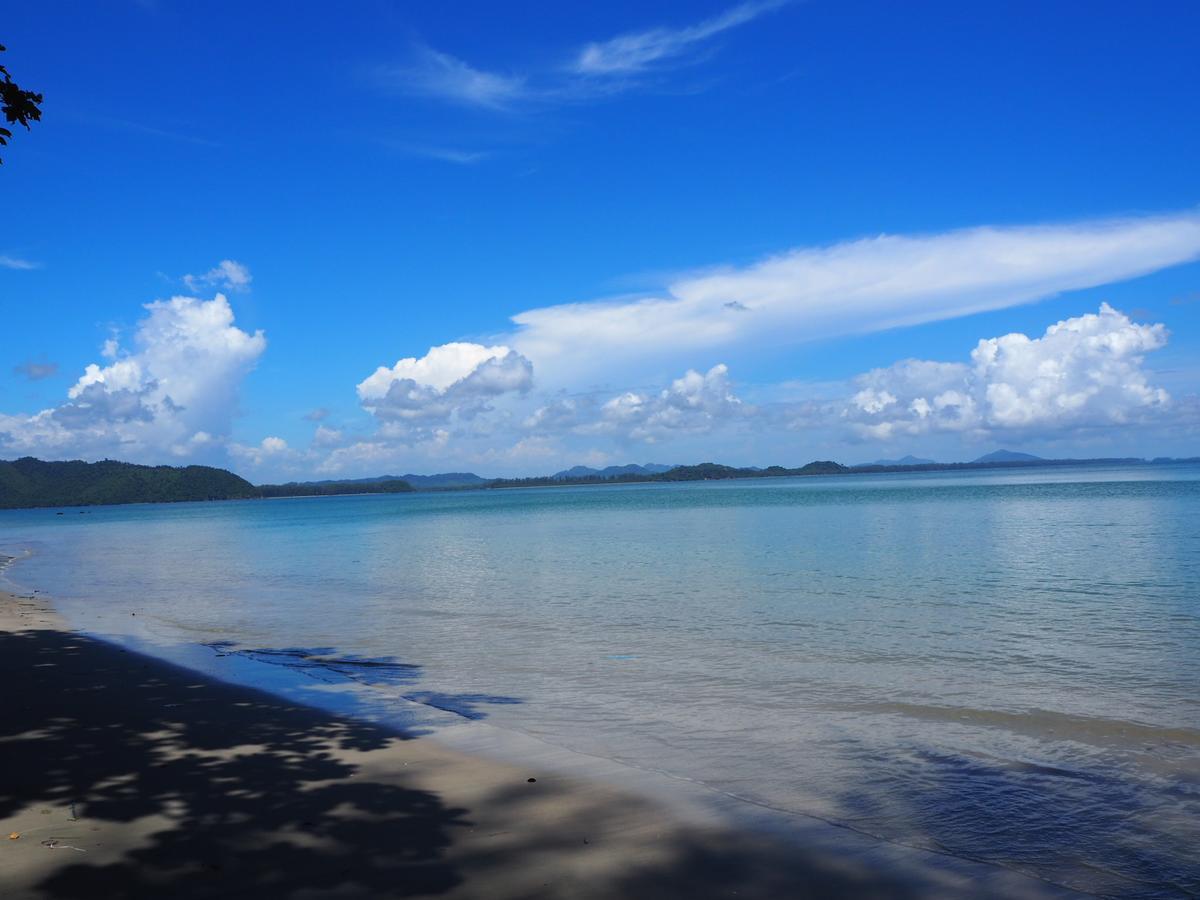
(452,381)
(271,450)
(175,392)
(327,437)
(1084,372)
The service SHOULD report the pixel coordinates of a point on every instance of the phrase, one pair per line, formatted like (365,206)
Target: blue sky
(759,212)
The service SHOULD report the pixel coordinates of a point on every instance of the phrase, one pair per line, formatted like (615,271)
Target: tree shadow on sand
(245,780)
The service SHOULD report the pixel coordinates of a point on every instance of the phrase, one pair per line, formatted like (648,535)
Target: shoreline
(503,484)
(147,778)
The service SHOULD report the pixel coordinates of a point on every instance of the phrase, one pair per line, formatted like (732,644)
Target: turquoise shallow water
(1004,665)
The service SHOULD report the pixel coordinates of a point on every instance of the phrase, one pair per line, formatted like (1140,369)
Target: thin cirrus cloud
(441,76)
(638,51)
(852,287)
(440,153)
(142,128)
(15,262)
(597,69)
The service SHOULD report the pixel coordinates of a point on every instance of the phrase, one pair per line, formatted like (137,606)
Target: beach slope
(123,776)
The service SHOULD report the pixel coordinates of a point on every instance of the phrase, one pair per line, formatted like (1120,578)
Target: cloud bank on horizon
(530,396)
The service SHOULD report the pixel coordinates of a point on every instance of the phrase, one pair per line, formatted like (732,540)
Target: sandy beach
(123,776)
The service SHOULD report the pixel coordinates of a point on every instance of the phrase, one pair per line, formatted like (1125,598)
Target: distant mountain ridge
(613,471)
(700,472)
(441,480)
(1008,456)
(909,460)
(446,479)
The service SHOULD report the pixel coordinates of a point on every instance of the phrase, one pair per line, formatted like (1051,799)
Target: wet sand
(124,776)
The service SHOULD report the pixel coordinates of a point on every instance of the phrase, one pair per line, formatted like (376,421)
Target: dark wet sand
(127,777)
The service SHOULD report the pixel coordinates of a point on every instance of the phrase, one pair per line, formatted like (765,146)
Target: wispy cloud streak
(598,69)
(635,52)
(227,275)
(445,77)
(441,154)
(151,131)
(13,262)
(853,287)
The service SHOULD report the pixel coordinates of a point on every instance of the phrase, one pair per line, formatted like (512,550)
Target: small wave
(1044,723)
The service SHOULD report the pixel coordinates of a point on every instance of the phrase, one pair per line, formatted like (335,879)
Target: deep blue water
(1003,664)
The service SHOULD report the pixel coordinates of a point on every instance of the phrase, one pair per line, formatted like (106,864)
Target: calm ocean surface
(1003,665)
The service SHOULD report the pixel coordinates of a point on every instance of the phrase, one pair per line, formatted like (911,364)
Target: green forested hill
(32,482)
(716,471)
(334,488)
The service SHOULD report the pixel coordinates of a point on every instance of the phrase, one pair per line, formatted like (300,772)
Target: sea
(1002,665)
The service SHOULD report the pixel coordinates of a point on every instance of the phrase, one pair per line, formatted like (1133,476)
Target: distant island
(29,482)
(420,482)
(906,461)
(1007,456)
